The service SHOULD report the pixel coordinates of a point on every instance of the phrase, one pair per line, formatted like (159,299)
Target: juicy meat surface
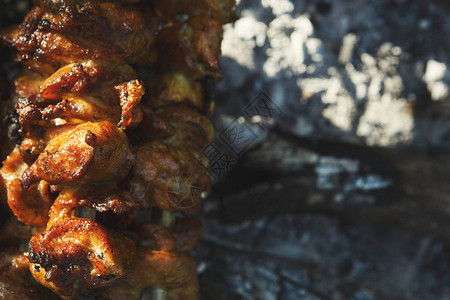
(106,173)
(103,32)
(80,92)
(192,46)
(181,88)
(14,278)
(101,198)
(82,154)
(78,253)
(30,207)
(171,170)
(173,271)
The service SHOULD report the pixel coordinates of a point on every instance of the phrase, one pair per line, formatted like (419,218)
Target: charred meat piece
(107,172)
(80,92)
(30,207)
(82,154)
(101,198)
(179,87)
(103,32)
(173,271)
(192,46)
(171,169)
(78,253)
(14,278)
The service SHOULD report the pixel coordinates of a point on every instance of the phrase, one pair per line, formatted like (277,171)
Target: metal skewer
(154,294)
(167,219)
(85,213)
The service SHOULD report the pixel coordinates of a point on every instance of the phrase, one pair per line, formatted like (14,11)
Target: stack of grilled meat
(107,170)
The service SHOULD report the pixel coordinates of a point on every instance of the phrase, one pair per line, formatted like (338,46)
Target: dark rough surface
(302,220)
(345,194)
(319,257)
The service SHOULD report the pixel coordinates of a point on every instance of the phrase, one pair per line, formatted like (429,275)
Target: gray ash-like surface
(365,72)
(318,257)
(344,195)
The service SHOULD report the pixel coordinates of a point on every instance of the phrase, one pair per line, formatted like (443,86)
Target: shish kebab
(102,178)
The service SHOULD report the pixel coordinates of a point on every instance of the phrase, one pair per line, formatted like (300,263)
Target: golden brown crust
(101,32)
(78,254)
(169,171)
(80,92)
(183,237)
(130,96)
(101,198)
(173,271)
(186,46)
(82,154)
(14,278)
(30,207)
(75,171)
(181,88)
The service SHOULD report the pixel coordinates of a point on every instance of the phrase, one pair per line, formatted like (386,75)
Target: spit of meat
(100,184)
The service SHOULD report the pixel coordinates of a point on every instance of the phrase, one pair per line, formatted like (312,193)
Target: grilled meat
(100,154)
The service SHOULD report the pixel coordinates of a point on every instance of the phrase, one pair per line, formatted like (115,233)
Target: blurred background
(332,153)
(331,160)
